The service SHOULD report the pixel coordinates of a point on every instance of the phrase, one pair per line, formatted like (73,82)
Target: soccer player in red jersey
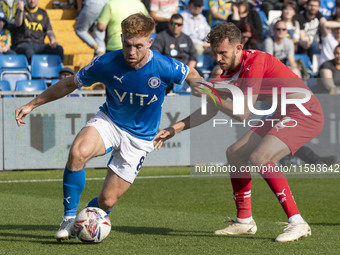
(261,75)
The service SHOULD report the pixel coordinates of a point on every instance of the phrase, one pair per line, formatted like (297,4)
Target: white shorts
(128,152)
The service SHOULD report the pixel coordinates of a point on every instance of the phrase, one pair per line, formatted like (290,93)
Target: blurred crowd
(303,34)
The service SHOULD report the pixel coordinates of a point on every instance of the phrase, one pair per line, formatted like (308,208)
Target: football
(92,225)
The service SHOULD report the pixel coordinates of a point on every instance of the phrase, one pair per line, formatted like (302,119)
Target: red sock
(279,185)
(241,183)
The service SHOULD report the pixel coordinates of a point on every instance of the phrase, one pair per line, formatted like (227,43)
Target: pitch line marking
(96,179)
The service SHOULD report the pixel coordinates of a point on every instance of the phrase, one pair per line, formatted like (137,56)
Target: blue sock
(94,203)
(73,186)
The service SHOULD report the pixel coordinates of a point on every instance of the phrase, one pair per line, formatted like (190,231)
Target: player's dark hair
(138,24)
(223,31)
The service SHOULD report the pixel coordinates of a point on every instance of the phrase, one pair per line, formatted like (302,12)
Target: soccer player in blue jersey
(136,79)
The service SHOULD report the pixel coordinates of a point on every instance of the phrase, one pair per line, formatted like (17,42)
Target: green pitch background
(175,215)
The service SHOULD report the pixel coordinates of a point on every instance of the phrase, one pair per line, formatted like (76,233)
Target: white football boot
(65,230)
(236,228)
(293,231)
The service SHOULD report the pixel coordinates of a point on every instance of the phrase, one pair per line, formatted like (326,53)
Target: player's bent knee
(258,159)
(80,154)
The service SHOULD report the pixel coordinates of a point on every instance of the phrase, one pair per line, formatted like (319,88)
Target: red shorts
(294,129)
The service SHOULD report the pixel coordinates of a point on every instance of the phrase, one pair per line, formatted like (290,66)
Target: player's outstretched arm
(193,120)
(58,90)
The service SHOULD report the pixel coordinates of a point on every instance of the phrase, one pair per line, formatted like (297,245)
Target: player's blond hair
(223,31)
(138,24)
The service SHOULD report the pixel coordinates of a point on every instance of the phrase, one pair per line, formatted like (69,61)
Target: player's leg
(271,150)
(113,189)
(238,155)
(123,167)
(86,145)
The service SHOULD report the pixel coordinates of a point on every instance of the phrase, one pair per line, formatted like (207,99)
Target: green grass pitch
(174,215)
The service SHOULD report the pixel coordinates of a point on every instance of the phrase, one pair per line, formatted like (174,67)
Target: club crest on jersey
(154,82)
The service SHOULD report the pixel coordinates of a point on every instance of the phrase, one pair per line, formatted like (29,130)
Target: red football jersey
(260,71)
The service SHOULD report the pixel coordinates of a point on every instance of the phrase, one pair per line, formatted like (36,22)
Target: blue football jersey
(134,97)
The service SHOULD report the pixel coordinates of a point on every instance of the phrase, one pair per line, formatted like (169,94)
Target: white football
(92,225)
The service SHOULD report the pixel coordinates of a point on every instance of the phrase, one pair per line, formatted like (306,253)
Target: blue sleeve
(179,71)
(90,74)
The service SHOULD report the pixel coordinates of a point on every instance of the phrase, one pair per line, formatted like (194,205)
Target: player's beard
(231,65)
(233,62)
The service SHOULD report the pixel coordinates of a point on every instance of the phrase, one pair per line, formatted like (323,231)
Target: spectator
(282,47)
(147,4)
(77,4)
(301,5)
(65,72)
(173,43)
(113,13)
(310,21)
(86,20)
(336,16)
(330,33)
(330,74)
(327,8)
(266,5)
(5,36)
(196,26)
(242,13)
(9,8)
(219,11)
(289,16)
(32,25)
(249,36)
(161,11)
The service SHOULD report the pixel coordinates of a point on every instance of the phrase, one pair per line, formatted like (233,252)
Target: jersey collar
(31,10)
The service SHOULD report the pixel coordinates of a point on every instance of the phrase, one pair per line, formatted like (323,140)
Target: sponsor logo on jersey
(132,98)
(119,79)
(154,82)
(35,26)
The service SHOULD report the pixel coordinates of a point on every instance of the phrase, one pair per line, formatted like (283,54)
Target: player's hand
(20,113)
(200,88)
(162,136)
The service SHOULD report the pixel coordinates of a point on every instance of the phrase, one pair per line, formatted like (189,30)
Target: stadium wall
(43,143)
